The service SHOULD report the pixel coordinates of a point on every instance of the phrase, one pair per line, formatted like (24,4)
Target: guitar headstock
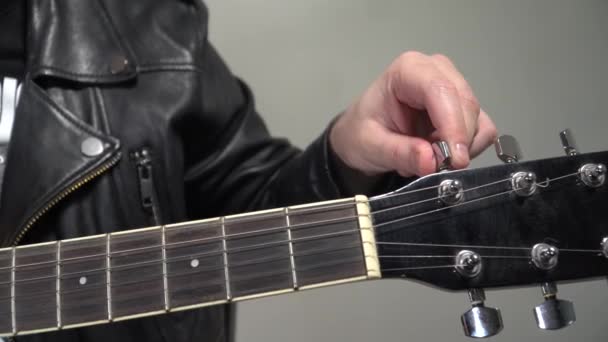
(519,223)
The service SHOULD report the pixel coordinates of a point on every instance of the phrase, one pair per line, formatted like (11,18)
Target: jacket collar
(76,40)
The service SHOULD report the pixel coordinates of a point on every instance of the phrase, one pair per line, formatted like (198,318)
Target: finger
(423,86)
(408,155)
(485,137)
(468,101)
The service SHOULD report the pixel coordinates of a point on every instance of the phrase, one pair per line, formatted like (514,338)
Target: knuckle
(411,57)
(440,58)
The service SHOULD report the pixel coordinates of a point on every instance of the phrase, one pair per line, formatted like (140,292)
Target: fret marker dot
(194,263)
(82,280)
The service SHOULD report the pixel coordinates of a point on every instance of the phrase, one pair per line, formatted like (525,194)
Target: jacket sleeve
(232,164)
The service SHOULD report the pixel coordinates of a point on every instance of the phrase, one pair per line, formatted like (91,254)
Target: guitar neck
(118,276)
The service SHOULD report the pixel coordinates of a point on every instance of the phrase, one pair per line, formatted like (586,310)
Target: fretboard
(123,275)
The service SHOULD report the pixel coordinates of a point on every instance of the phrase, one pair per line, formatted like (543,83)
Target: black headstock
(419,236)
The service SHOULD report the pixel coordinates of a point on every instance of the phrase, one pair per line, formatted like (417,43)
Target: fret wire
(58,285)
(291,256)
(108,276)
(13,281)
(199,270)
(165,281)
(225,253)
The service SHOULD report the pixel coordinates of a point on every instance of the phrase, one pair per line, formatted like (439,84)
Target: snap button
(91,147)
(118,64)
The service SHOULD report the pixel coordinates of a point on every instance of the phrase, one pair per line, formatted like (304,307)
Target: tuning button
(553,313)
(443,155)
(568,142)
(480,321)
(507,149)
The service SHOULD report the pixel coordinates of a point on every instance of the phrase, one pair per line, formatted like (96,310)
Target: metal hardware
(507,149)
(91,147)
(553,313)
(451,191)
(9,97)
(524,183)
(468,263)
(118,64)
(544,256)
(593,175)
(443,155)
(480,321)
(604,245)
(568,142)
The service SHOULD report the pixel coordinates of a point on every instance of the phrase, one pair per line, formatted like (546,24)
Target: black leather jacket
(129,118)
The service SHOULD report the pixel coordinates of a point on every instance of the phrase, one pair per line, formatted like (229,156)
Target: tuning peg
(480,321)
(443,155)
(553,313)
(568,142)
(507,149)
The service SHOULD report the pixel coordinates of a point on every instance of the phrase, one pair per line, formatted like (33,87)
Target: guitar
(520,223)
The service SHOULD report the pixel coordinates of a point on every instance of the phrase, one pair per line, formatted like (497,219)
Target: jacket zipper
(147,189)
(75,186)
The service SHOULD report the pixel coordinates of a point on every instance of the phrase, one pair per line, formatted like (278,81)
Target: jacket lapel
(48,155)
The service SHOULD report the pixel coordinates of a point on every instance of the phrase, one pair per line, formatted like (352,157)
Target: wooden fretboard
(118,276)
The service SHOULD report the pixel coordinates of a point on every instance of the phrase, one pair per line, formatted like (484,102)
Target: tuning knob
(480,321)
(507,149)
(568,142)
(553,313)
(443,155)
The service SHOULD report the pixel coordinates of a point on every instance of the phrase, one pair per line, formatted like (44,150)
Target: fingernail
(462,153)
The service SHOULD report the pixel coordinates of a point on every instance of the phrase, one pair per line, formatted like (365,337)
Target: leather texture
(134,75)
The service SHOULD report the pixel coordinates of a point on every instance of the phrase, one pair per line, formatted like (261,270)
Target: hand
(419,99)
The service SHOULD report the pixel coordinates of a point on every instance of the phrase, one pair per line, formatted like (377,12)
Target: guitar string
(205,270)
(390,243)
(357,259)
(287,241)
(546,183)
(323,235)
(235,236)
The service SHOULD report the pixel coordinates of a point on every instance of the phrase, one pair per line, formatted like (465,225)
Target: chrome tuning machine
(507,149)
(480,321)
(553,313)
(568,142)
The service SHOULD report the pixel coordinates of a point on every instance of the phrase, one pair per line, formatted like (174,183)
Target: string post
(468,264)
(524,183)
(544,256)
(593,175)
(451,191)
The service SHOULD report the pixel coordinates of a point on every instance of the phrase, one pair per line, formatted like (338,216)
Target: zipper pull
(147,190)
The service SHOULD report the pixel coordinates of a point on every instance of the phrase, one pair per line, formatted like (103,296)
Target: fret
(35,287)
(225,255)
(13,307)
(165,283)
(329,251)
(258,255)
(6,289)
(109,275)
(195,266)
(83,281)
(291,256)
(136,273)
(58,285)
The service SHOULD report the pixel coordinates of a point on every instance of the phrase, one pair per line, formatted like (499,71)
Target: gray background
(536,66)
